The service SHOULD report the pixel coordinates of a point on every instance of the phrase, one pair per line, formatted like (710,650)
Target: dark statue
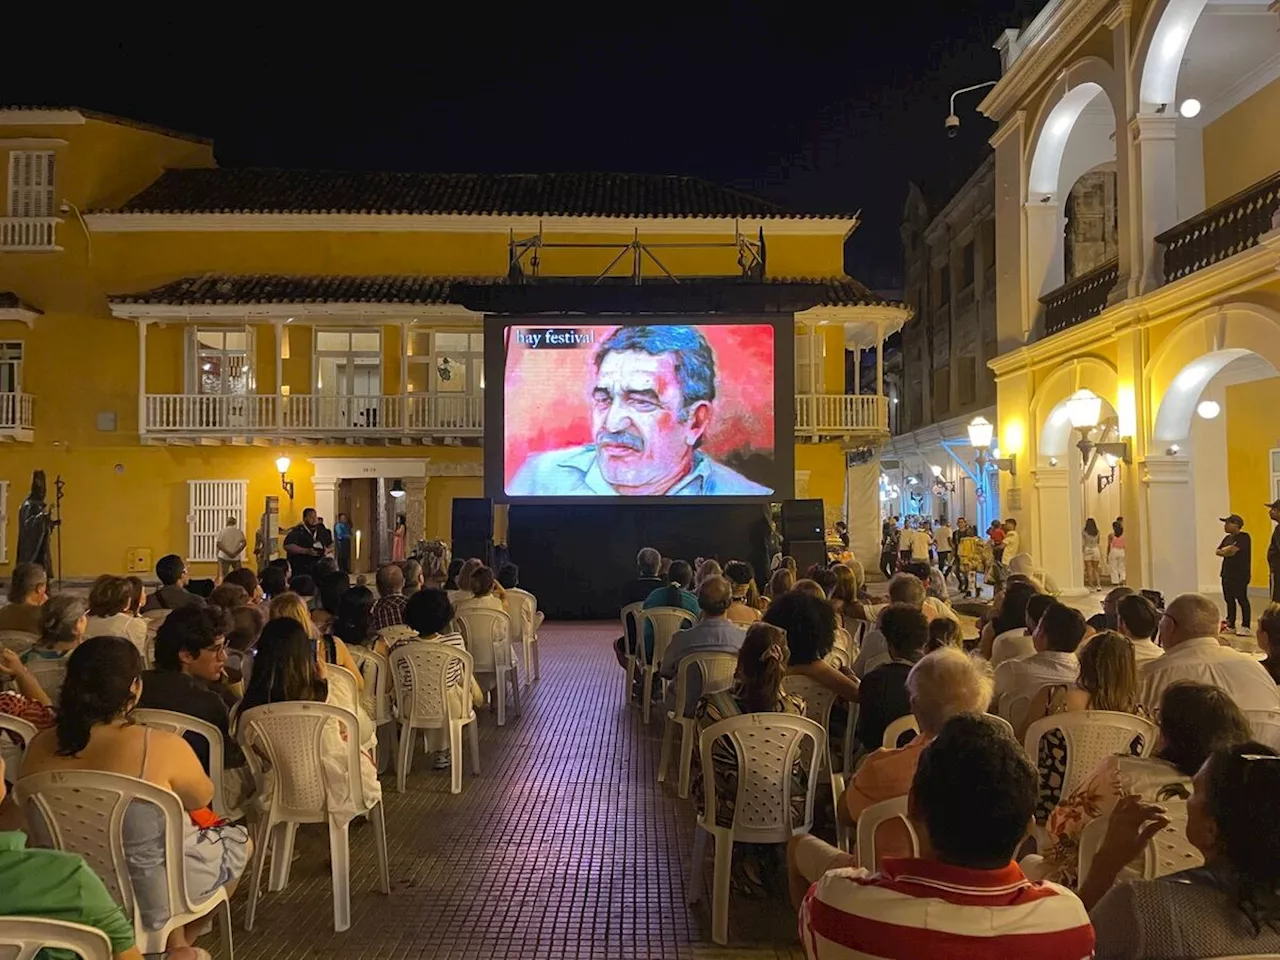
(35,526)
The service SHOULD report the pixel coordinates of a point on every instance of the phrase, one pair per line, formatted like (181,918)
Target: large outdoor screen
(648,408)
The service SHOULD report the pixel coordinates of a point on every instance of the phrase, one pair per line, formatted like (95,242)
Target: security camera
(952,123)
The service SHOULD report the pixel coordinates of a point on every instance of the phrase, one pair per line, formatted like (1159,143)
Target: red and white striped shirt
(929,909)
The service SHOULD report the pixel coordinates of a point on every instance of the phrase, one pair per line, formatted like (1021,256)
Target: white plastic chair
(1266,726)
(631,627)
(375,668)
(421,670)
(665,621)
(818,704)
(869,822)
(49,672)
(1014,708)
(1090,735)
(1001,724)
(1168,852)
(10,751)
(287,739)
(717,670)
(181,724)
(22,938)
(83,811)
(894,731)
(767,745)
(19,641)
(488,636)
(524,610)
(154,619)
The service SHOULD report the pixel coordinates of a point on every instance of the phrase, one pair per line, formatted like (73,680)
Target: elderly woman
(941,685)
(109,601)
(63,621)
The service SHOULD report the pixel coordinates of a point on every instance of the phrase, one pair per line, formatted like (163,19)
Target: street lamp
(282,464)
(397,489)
(1084,410)
(980,433)
(941,486)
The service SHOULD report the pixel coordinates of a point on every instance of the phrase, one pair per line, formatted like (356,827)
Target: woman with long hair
(707,568)
(398,539)
(782,581)
(331,648)
(1091,548)
(1229,906)
(1108,681)
(285,669)
(352,623)
(757,688)
(462,588)
(137,596)
(844,597)
(745,608)
(95,732)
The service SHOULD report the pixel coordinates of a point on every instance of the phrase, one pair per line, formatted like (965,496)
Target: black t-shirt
(300,536)
(176,691)
(1273,551)
(638,590)
(1236,567)
(883,699)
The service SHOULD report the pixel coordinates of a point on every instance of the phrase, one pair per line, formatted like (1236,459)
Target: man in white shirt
(1138,619)
(874,652)
(1189,635)
(231,544)
(920,544)
(1012,541)
(942,540)
(1056,638)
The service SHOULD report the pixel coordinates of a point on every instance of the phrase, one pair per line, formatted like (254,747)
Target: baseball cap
(1233,518)
(1273,505)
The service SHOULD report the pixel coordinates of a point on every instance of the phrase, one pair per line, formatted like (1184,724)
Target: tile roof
(105,118)
(11,301)
(250,289)
(216,190)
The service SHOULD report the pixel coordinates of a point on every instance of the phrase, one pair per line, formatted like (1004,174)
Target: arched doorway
(1215,384)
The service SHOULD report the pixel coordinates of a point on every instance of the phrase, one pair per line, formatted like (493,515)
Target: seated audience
(1109,618)
(485,593)
(1189,635)
(389,610)
(304,585)
(1229,906)
(246,624)
(171,571)
(463,590)
(63,621)
(944,633)
(941,686)
(904,589)
(108,612)
(245,578)
(332,589)
(321,568)
(757,688)
(846,600)
(435,565)
(1268,628)
(414,578)
(1195,720)
(333,649)
(706,568)
(29,702)
(353,625)
(674,594)
(451,579)
(273,581)
(191,652)
(429,616)
(54,885)
(93,732)
(1006,636)
(28,590)
(931,605)
(229,596)
(745,608)
(647,580)
(285,669)
(509,576)
(883,693)
(284,566)
(1138,621)
(810,625)
(810,588)
(714,633)
(1108,680)
(137,596)
(1059,632)
(824,577)
(781,582)
(971,799)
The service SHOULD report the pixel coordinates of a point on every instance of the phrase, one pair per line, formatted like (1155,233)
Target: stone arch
(1079,85)
(1052,430)
(1197,351)
(1162,42)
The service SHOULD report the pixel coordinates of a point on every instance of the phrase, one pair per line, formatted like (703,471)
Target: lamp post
(282,464)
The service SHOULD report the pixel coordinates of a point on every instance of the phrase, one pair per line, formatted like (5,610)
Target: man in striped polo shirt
(964,898)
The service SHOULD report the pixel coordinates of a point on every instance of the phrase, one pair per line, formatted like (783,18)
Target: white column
(1155,143)
(1057,545)
(862,513)
(279,401)
(326,499)
(1207,451)
(1171,531)
(142,376)
(1044,260)
(404,404)
(879,362)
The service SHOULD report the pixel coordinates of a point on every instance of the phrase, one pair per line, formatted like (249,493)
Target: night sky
(822,108)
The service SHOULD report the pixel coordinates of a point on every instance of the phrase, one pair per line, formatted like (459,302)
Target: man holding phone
(304,544)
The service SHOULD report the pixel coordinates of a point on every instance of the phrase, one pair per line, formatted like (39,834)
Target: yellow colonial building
(169,329)
(1137,190)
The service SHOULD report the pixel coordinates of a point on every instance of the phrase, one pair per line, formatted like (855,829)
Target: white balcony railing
(28,233)
(199,415)
(841,414)
(17,412)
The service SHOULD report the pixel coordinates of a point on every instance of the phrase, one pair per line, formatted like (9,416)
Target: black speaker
(806,553)
(802,520)
(472,527)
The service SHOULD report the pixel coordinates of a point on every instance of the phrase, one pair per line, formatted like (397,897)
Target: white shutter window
(4,521)
(31,183)
(212,502)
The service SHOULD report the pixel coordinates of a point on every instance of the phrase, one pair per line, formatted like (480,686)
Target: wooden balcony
(268,418)
(1082,299)
(30,234)
(1223,230)
(842,416)
(17,417)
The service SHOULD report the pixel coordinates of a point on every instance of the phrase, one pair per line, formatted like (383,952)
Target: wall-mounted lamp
(1084,410)
(940,485)
(282,464)
(980,432)
(397,489)
(1173,450)
(1107,479)
(1053,461)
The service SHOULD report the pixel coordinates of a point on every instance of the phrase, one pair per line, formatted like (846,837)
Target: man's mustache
(622,438)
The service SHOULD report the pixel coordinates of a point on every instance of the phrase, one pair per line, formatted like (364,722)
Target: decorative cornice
(284,312)
(459,223)
(455,468)
(22,314)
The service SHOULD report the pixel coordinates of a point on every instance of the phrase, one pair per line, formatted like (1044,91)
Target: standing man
(963,532)
(1236,551)
(888,548)
(1273,551)
(342,538)
(302,544)
(1012,541)
(942,540)
(231,544)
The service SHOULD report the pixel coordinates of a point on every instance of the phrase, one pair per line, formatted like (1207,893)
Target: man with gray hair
(28,590)
(388,611)
(1192,651)
(714,633)
(903,588)
(941,685)
(648,563)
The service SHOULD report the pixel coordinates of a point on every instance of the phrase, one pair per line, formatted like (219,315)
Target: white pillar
(326,499)
(1207,450)
(1057,544)
(142,376)
(279,399)
(1044,260)
(404,401)
(1156,144)
(862,486)
(879,362)
(1171,532)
